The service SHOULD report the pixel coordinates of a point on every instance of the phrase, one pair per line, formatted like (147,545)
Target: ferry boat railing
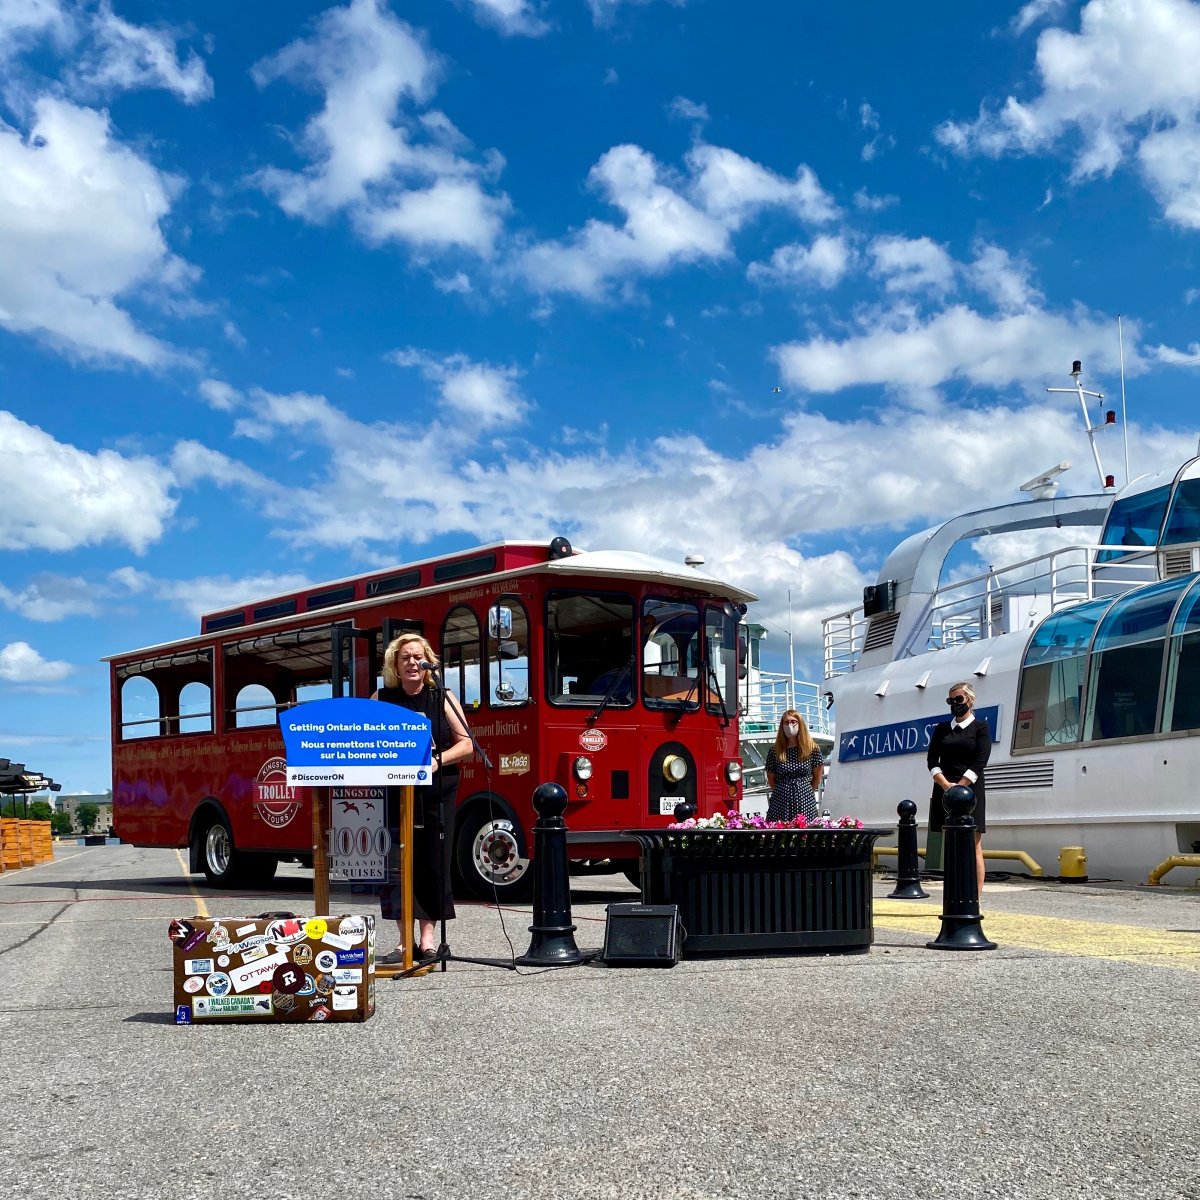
(769,696)
(1016,597)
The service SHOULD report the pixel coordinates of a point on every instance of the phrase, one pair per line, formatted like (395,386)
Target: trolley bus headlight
(583,767)
(674,768)
(733,771)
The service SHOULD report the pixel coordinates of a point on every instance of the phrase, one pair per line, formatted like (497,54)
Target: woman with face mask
(958,752)
(794,770)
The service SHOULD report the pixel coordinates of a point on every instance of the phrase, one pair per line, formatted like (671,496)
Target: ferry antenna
(1108,419)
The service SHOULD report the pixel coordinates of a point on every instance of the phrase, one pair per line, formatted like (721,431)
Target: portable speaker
(643,935)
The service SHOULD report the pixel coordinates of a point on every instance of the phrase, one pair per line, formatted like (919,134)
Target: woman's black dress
(955,750)
(433,817)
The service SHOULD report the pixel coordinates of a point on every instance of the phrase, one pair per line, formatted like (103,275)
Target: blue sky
(292,291)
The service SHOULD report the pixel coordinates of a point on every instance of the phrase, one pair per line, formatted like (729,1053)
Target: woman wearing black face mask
(958,751)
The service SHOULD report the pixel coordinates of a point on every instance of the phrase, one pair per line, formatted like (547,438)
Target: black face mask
(959,708)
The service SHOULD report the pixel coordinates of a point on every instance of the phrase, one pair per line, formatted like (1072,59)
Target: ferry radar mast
(1108,418)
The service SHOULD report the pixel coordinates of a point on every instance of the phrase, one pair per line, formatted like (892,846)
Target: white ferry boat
(1085,662)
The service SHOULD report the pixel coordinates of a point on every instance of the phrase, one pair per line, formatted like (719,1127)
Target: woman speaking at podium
(409,683)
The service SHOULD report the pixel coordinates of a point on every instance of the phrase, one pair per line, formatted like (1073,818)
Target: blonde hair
(964,686)
(804,739)
(391,677)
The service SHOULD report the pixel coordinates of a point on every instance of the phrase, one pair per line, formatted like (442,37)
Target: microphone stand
(444,954)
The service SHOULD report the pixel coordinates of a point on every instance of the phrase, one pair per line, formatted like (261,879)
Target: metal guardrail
(996,602)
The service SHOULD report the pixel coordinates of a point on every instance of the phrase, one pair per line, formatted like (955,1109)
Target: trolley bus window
(195,708)
(139,709)
(589,648)
(1183,521)
(255,705)
(167,695)
(670,654)
(508,653)
(721,671)
(274,671)
(461,655)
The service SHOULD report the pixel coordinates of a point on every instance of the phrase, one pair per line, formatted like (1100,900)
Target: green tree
(40,810)
(86,814)
(60,823)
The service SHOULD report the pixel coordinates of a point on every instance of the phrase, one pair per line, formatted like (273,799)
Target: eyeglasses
(956,700)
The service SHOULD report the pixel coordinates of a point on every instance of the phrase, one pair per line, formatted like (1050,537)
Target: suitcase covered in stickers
(276,967)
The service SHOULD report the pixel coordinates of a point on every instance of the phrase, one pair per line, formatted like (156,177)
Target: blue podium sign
(356,743)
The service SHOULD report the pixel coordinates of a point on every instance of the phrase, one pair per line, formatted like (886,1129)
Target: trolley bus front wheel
(491,855)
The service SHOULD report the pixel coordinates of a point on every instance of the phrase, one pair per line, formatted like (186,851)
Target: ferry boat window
(195,708)
(721,673)
(1183,520)
(462,655)
(508,653)
(1181,699)
(139,709)
(1052,677)
(1128,659)
(589,648)
(1134,522)
(670,654)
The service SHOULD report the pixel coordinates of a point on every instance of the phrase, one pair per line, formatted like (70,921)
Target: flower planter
(752,890)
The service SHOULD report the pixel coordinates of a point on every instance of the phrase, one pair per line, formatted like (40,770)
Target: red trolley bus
(611,673)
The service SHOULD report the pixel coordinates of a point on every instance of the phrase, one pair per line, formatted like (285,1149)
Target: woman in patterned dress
(794,770)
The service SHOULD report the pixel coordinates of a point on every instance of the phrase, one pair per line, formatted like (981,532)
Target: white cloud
(912,264)
(477,392)
(1177,358)
(63,497)
(1036,11)
(661,230)
(398,177)
(865,202)
(669,221)
(687,110)
(22,665)
(1003,279)
(219,394)
(211,593)
(131,57)
(733,188)
(80,219)
(49,597)
(1126,85)
(823,264)
(511,16)
(903,351)
(24,21)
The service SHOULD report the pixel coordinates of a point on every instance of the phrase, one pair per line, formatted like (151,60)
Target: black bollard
(908,866)
(553,941)
(962,927)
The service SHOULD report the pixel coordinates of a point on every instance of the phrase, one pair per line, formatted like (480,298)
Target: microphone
(427,666)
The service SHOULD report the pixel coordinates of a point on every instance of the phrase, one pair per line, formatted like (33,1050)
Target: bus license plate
(666,805)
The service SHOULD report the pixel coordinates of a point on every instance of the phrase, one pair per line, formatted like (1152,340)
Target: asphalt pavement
(1062,1064)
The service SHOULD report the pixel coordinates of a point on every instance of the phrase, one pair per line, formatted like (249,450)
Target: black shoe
(426,955)
(393,958)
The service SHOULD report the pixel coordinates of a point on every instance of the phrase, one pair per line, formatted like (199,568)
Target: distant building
(102,800)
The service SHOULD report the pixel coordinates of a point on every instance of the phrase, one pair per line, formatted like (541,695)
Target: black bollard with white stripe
(962,926)
(553,941)
(908,864)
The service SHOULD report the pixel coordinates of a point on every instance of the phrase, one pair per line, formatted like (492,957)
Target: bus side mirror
(500,622)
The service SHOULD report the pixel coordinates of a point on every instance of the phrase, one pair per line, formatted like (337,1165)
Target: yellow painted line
(201,907)
(1057,935)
